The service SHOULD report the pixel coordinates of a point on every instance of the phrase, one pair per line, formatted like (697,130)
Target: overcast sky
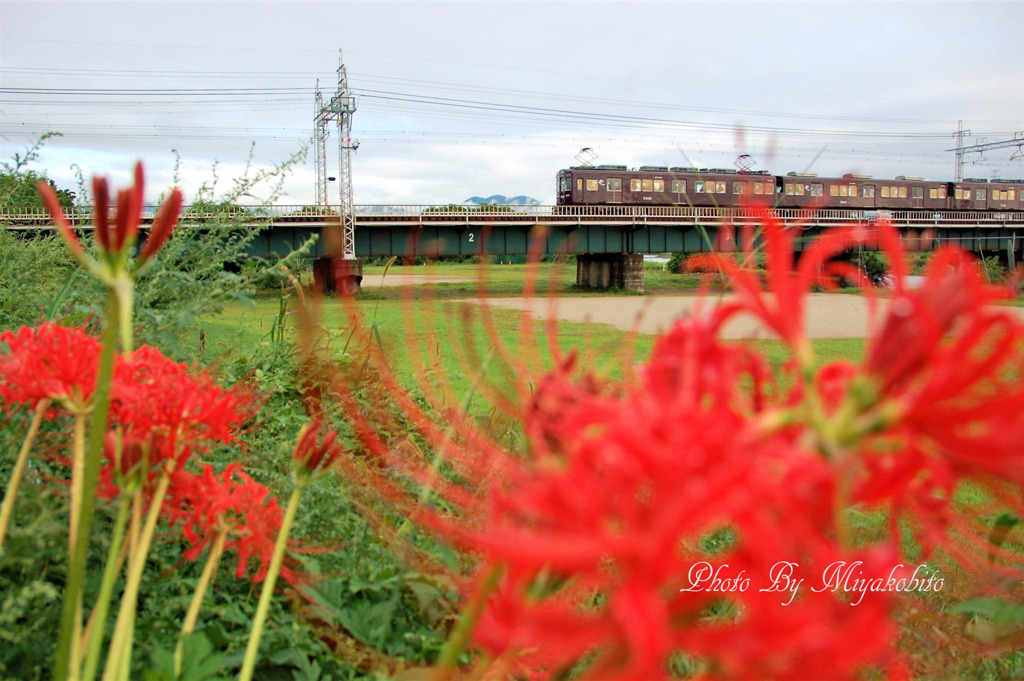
(480,98)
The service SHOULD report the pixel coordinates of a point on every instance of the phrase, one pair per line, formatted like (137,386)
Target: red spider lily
(154,397)
(594,525)
(114,238)
(48,362)
(233,503)
(310,455)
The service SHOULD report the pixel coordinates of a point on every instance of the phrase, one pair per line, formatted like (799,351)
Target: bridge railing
(82,215)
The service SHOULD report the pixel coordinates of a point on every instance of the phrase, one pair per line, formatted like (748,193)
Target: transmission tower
(960,149)
(339,109)
(960,132)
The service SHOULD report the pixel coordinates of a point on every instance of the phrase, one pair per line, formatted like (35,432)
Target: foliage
(33,271)
(18,184)
(875,266)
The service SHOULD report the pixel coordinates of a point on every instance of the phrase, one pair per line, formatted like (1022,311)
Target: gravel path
(828,315)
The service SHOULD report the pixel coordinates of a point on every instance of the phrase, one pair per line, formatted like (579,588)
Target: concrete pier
(611,270)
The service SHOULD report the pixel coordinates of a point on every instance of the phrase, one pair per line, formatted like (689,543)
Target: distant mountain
(500,200)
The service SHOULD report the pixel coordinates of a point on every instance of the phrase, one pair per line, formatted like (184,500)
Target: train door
(917,197)
(614,189)
(980,199)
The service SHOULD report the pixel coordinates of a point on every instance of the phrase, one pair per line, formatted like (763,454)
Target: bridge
(608,240)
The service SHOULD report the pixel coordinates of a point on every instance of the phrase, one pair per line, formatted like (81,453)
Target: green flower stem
(253,648)
(448,660)
(77,470)
(120,645)
(7,508)
(97,432)
(115,559)
(189,625)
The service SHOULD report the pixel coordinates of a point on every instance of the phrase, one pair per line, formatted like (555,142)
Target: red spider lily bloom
(115,238)
(232,503)
(48,362)
(618,484)
(154,397)
(310,455)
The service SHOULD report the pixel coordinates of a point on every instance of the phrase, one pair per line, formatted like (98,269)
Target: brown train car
(980,194)
(806,190)
(662,186)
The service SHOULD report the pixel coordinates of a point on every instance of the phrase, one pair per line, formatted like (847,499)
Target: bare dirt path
(828,315)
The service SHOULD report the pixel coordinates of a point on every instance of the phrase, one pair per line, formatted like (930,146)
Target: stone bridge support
(338,275)
(611,270)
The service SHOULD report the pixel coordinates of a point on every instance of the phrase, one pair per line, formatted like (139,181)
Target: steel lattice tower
(340,109)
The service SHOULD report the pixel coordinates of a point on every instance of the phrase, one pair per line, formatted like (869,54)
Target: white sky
(480,98)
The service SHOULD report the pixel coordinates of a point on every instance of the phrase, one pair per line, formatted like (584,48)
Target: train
(609,185)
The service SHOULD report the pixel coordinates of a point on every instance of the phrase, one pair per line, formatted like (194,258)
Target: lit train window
(933,193)
(833,190)
(853,190)
(634,185)
(758,188)
(903,192)
(659,185)
(648,185)
(591,185)
(885,192)
(678,186)
(719,187)
(799,190)
(579,185)
(789,190)
(1010,193)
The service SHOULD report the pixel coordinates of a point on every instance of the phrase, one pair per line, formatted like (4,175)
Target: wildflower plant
(141,425)
(584,540)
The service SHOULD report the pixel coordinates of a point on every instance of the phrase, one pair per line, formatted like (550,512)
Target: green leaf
(994,609)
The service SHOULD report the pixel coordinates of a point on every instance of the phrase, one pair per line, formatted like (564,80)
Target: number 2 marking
(471,237)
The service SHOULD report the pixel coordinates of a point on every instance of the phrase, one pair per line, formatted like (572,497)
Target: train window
(1010,195)
(648,185)
(678,186)
(719,187)
(918,192)
(659,186)
(833,190)
(739,187)
(844,190)
(634,185)
(885,192)
(614,184)
(799,190)
(933,193)
(980,194)
(853,190)
(591,185)
(698,186)
(579,185)
(758,188)
(869,191)
(817,189)
(789,190)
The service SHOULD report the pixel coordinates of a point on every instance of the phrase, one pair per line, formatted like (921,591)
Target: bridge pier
(611,270)
(338,275)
